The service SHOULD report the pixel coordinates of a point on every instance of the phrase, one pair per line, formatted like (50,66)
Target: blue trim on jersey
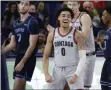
(29,24)
(21,76)
(105,83)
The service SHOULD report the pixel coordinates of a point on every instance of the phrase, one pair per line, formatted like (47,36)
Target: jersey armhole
(74,36)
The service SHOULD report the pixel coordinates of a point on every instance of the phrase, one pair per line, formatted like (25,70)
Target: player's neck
(109,25)
(64,29)
(23,17)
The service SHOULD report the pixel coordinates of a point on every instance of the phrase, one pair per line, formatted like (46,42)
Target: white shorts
(88,70)
(61,75)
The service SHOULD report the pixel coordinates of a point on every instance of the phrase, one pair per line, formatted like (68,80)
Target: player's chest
(63,41)
(64,38)
(23,29)
(76,25)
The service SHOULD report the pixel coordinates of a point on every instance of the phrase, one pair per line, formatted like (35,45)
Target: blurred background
(45,13)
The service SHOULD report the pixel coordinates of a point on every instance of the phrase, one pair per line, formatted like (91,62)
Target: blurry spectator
(64,4)
(32,11)
(89,7)
(10,15)
(99,4)
(41,42)
(7,41)
(42,13)
(100,40)
(32,8)
(92,12)
(43,31)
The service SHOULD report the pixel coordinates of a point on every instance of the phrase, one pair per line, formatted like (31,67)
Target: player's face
(13,8)
(74,5)
(64,19)
(88,6)
(24,7)
(105,17)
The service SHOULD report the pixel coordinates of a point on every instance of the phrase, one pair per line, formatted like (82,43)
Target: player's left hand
(74,79)
(50,28)
(19,67)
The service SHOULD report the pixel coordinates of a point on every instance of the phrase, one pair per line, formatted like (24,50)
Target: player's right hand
(48,78)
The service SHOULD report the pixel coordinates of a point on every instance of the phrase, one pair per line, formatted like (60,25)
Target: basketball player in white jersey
(69,56)
(82,22)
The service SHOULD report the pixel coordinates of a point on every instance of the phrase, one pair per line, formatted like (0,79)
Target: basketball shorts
(106,74)
(28,68)
(61,75)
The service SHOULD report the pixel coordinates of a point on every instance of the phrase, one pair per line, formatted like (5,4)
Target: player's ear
(58,18)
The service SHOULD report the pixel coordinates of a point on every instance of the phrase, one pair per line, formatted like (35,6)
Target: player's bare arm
(47,51)
(82,53)
(10,46)
(4,44)
(86,25)
(32,44)
(80,39)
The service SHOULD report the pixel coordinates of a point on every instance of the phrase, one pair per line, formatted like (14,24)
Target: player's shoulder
(84,15)
(33,19)
(51,35)
(16,22)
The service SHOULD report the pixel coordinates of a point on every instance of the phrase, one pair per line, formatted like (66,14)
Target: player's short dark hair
(65,9)
(30,2)
(74,1)
(108,9)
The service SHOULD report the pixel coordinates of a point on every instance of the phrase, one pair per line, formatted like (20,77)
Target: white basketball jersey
(65,49)
(90,45)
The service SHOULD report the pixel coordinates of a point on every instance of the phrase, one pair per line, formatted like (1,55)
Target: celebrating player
(69,54)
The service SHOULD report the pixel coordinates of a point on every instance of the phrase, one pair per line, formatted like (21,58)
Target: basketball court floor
(38,80)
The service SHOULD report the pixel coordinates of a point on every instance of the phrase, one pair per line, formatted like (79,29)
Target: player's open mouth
(65,21)
(22,9)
